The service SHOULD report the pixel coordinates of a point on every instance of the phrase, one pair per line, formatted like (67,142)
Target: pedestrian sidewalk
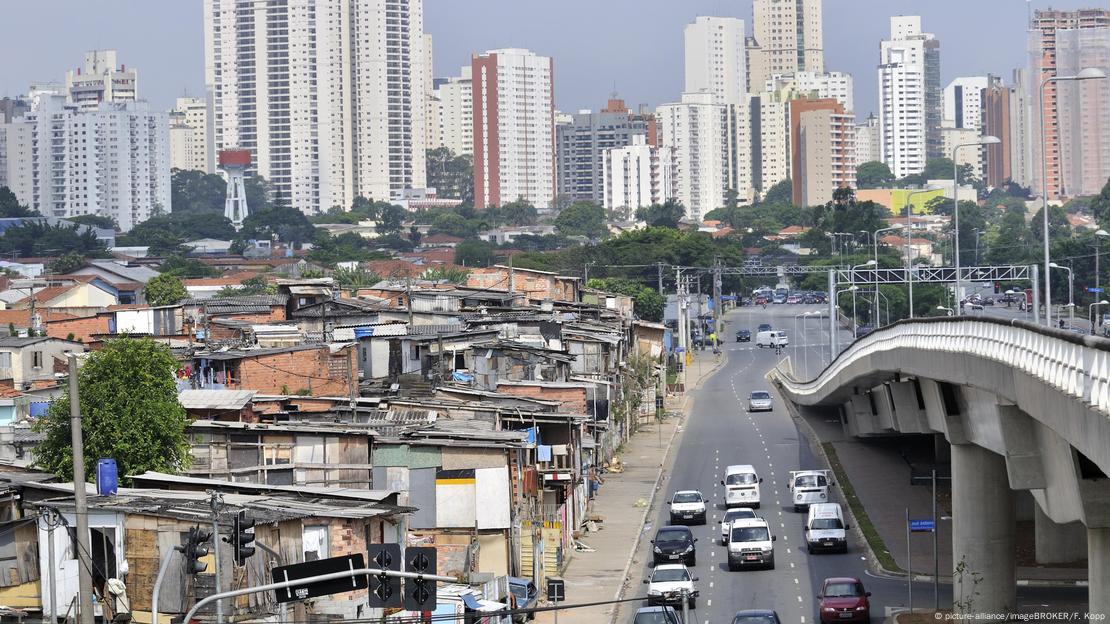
(624,502)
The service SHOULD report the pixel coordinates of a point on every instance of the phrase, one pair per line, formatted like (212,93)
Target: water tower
(234,163)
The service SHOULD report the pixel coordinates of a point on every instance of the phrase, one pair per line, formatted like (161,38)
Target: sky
(632,47)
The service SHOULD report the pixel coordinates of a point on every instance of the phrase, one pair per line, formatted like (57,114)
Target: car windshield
(760,395)
(740,478)
(810,481)
(687,497)
(750,534)
(734,514)
(672,535)
(655,617)
(843,590)
(826,523)
(670,575)
(755,619)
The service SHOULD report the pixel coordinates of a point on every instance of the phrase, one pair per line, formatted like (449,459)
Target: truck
(808,487)
(771,339)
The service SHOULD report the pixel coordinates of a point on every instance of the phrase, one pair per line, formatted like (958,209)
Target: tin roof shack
(457,474)
(305,292)
(20,585)
(308,454)
(495,361)
(390,350)
(310,369)
(536,285)
(199,313)
(621,304)
(140,526)
(226,405)
(647,338)
(323,316)
(32,362)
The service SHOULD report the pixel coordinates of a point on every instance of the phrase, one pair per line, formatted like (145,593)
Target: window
(36,359)
(5,359)
(315,543)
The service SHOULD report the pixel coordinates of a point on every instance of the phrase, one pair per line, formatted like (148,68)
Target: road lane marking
(709,603)
(792,564)
(799,598)
(788,551)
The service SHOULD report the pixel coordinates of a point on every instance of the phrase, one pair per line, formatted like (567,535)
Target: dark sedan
(744,335)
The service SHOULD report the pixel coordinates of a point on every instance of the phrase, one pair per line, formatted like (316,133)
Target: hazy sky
(632,46)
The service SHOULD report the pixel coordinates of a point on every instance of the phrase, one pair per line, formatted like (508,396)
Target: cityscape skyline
(647,70)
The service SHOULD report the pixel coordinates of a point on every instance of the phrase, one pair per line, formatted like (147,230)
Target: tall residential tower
(909,96)
(787,39)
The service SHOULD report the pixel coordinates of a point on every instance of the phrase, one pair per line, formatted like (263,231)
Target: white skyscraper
(963,106)
(787,39)
(636,176)
(456,109)
(514,134)
(715,58)
(697,132)
(835,85)
(189,136)
(867,141)
(774,140)
(112,161)
(101,80)
(328,95)
(909,96)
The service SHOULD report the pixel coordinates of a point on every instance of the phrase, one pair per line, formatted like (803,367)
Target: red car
(843,599)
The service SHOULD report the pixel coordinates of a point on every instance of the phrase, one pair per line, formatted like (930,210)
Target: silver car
(760,401)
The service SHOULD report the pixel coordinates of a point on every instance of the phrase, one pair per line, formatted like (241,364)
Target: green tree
(353,279)
(10,206)
(873,174)
(289,224)
(390,219)
(519,212)
(37,238)
(250,287)
(582,218)
(452,274)
(196,191)
(67,263)
(1100,206)
(646,302)
(781,193)
(186,268)
(329,250)
(449,174)
(668,214)
(165,289)
(474,253)
(97,221)
(130,413)
(454,225)
(165,234)
(259,192)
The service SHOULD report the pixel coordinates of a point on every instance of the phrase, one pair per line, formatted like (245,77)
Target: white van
(771,339)
(809,487)
(825,528)
(750,542)
(741,486)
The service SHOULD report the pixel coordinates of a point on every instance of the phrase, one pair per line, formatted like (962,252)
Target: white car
(668,583)
(760,401)
(751,543)
(734,514)
(687,506)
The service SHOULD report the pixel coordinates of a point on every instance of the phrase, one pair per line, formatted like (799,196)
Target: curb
(873,565)
(655,490)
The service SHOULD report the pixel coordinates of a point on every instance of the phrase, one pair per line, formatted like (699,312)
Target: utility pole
(216,501)
(352,378)
(408,295)
(511,285)
(659,271)
(717,297)
(680,307)
(81,505)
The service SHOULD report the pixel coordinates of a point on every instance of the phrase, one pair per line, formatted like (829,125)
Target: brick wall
(313,370)
(82,329)
(572,400)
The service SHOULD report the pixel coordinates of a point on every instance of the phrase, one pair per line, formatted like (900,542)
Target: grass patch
(864,522)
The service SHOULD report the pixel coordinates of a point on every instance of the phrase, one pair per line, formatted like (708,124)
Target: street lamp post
(875,240)
(836,299)
(1090,73)
(1071,287)
(909,247)
(984,140)
(1091,313)
(1099,236)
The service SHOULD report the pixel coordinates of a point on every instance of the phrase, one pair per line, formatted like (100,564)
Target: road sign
(679,349)
(556,590)
(317,568)
(922,526)
(1092,289)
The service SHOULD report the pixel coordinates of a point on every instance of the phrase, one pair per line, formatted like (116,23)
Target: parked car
(843,599)
(525,596)
(756,616)
(760,401)
(657,615)
(792,299)
(779,299)
(674,543)
(687,506)
(744,335)
(669,582)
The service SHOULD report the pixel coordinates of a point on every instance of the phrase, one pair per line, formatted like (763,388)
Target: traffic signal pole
(216,502)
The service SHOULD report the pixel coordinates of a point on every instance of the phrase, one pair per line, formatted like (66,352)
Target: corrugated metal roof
(215,399)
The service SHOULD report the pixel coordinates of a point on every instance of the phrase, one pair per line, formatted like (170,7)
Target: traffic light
(420,593)
(242,536)
(385,591)
(194,550)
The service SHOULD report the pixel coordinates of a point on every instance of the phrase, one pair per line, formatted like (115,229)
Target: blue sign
(728,298)
(679,349)
(364,332)
(922,526)
(1092,289)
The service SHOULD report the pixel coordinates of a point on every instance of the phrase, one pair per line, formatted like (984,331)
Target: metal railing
(1076,365)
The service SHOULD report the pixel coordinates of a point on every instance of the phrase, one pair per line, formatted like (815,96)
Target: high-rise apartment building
(1083,110)
(329,96)
(787,39)
(1044,59)
(514,128)
(456,108)
(1021,130)
(909,96)
(697,132)
(580,146)
(822,150)
(101,80)
(971,155)
(995,120)
(835,85)
(714,57)
(962,102)
(636,176)
(113,161)
(189,136)
(770,123)
(867,141)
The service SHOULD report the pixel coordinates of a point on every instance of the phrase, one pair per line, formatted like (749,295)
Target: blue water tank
(107,477)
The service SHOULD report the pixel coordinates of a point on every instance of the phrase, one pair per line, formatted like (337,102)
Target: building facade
(867,147)
(787,39)
(835,85)
(328,113)
(456,109)
(113,161)
(101,80)
(1043,63)
(971,155)
(1021,130)
(909,96)
(963,102)
(697,132)
(822,150)
(1083,111)
(581,144)
(636,176)
(189,136)
(996,121)
(715,58)
(514,128)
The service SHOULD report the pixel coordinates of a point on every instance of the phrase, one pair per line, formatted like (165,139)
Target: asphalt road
(719,433)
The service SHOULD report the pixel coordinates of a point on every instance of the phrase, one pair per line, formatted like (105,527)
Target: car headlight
(826,609)
(861,608)
(822,495)
(653,592)
(767,550)
(658,550)
(689,548)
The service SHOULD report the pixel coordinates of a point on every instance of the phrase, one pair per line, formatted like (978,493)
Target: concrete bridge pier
(1098,570)
(983,527)
(1058,543)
